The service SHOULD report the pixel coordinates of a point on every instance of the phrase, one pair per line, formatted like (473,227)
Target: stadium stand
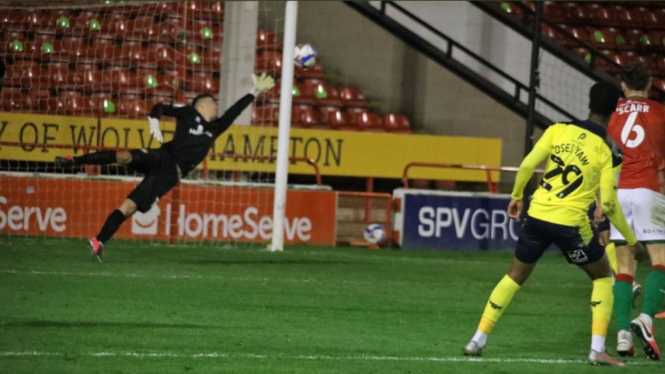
(79,61)
(620,31)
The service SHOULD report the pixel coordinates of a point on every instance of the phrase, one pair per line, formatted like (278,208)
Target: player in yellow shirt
(581,159)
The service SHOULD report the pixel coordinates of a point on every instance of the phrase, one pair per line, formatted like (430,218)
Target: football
(304,56)
(374,234)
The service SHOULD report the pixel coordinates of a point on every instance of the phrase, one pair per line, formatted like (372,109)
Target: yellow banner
(337,153)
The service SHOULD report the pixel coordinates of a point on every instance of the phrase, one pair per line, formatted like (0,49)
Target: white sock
(480,338)
(647,319)
(598,343)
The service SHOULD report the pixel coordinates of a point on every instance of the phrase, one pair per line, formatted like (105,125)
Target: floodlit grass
(160,309)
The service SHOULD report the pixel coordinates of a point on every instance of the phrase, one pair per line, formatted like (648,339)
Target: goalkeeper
(197,127)
(581,158)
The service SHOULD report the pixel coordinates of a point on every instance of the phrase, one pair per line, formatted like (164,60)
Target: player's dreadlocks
(636,76)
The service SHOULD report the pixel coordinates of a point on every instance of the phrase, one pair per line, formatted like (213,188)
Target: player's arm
(262,83)
(537,155)
(159,110)
(610,203)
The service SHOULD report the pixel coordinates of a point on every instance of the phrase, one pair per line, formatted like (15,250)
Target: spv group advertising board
(457,221)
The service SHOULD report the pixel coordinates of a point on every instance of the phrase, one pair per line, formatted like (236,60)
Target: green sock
(623,300)
(654,290)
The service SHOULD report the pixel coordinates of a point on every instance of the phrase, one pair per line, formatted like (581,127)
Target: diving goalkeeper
(197,128)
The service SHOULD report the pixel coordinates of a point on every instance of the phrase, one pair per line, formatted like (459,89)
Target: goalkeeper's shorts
(161,175)
(536,236)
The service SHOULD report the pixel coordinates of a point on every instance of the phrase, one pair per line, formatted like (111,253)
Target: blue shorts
(537,235)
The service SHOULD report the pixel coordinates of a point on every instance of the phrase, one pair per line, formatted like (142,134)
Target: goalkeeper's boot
(602,358)
(63,162)
(637,290)
(473,349)
(625,344)
(660,315)
(96,248)
(644,332)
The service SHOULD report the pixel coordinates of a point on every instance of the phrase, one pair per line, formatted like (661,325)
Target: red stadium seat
(550,32)
(11,99)
(269,62)
(660,65)
(370,122)
(352,97)
(266,115)
(314,72)
(555,12)
(201,82)
(396,123)
(132,108)
(302,94)
(164,32)
(113,26)
(311,118)
(630,17)
(581,14)
(26,74)
(85,77)
(266,40)
(658,83)
(13,20)
(163,55)
(326,95)
(342,121)
(204,10)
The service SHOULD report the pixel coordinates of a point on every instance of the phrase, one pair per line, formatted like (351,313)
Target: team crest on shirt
(197,119)
(199,131)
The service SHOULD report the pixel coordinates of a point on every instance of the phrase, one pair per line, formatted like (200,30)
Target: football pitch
(159,309)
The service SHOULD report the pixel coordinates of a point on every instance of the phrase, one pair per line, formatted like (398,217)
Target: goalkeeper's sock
(623,300)
(112,224)
(499,299)
(654,290)
(601,312)
(97,158)
(611,251)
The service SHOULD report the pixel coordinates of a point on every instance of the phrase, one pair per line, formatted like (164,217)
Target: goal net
(83,77)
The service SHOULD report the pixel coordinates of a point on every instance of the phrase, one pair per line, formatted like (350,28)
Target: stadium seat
(660,65)
(314,72)
(550,32)
(658,83)
(132,108)
(87,23)
(352,97)
(302,94)
(202,82)
(396,123)
(266,40)
(326,95)
(163,55)
(11,99)
(167,83)
(112,26)
(310,118)
(69,49)
(59,75)
(604,38)
(513,9)
(85,77)
(630,17)
(204,33)
(269,62)
(162,32)
(204,10)
(654,41)
(26,74)
(12,20)
(266,115)
(556,12)
(370,122)
(342,121)
(137,26)
(581,14)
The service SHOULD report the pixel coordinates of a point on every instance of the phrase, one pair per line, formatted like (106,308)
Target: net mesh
(83,77)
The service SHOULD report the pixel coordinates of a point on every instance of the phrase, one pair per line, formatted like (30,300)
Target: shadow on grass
(102,324)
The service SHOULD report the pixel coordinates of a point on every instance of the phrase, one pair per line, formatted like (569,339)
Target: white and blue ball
(374,234)
(304,56)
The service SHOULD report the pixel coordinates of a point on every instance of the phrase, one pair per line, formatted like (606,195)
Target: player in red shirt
(638,126)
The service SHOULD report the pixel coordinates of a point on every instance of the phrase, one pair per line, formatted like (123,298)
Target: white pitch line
(307,357)
(287,280)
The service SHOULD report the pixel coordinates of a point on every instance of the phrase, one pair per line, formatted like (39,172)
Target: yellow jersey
(582,158)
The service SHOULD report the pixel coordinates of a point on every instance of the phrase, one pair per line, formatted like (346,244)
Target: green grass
(154,308)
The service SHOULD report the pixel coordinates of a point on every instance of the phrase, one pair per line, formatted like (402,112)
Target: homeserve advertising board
(455,220)
(337,153)
(78,208)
